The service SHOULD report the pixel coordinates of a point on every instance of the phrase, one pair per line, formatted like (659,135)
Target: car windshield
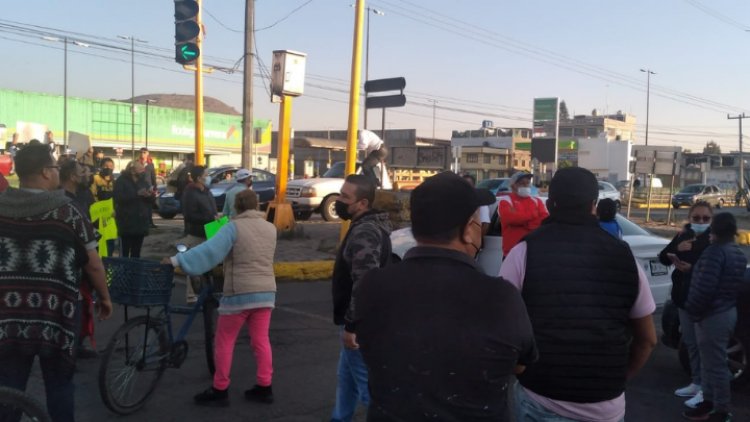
(336,170)
(490,183)
(692,189)
(629,228)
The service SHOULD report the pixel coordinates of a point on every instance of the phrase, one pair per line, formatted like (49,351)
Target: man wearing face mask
(590,307)
(367,245)
(441,338)
(520,213)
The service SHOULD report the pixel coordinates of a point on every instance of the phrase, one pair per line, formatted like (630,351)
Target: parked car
(317,194)
(645,247)
(690,194)
(264,184)
(739,345)
(607,190)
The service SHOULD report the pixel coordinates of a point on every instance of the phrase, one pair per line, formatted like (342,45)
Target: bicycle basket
(134,281)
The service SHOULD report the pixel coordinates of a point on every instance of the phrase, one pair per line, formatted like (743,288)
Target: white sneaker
(695,401)
(689,391)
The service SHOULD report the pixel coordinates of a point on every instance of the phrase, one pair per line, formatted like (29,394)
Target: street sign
(390,84)
(386,101)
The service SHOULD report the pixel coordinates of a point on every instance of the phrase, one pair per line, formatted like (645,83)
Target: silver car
(607,190)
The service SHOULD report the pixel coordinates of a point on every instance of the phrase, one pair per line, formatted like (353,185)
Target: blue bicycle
(143,347)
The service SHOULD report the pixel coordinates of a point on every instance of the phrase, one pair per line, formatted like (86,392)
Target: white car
(608,190)
(645,247)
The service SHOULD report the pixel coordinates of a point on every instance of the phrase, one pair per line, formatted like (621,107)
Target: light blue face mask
(699,228)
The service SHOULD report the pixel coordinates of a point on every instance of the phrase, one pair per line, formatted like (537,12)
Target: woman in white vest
(246,245)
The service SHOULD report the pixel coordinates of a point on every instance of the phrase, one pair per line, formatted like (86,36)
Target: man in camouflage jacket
(367,245)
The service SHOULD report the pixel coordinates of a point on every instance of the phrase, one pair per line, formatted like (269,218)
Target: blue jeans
(687,327)
(15,371)
(352,385)
(527,410)
(713,334)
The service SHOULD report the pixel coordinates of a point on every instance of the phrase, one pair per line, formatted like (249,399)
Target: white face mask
(524,191)
(699,228)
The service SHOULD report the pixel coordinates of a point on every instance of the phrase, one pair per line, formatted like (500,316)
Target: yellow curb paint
(305,270)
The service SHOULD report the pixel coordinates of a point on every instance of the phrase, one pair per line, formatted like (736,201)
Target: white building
(607,160)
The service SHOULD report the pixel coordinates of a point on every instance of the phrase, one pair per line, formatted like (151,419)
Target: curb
(303,270)
(653,206)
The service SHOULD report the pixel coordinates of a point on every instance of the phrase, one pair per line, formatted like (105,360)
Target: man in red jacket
(520,213)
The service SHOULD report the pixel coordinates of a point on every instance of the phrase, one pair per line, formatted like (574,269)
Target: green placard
(213,227)
(545,109)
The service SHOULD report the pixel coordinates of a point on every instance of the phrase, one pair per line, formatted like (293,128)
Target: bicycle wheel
(126,378)
(16,405)
(210,315)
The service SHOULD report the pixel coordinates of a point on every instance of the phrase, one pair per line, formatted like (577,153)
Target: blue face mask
(699,228)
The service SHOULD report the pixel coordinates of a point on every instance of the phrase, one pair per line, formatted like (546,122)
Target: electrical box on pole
(186,31)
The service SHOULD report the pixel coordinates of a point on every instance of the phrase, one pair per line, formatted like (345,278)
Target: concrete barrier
(305,270)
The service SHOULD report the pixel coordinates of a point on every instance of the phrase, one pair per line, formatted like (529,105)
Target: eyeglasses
(701,218)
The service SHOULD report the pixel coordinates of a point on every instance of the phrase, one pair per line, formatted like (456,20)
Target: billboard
(545,130)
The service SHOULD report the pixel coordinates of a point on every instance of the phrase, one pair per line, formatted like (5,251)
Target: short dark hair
(606,209)
(197,171)
(105,160)
(365,187)
(724,227)
(470,177)
(68,168)
(33,159)
(245,200)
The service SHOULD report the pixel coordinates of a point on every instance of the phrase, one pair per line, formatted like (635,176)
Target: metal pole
(382,128)
(671,187)
(630,193)
(65,95)
(147,101)
(132,96)
(199,157)
(434,106)
(367,60)
(742,159)
(353,124)
(284,140)
(248,132)
(648,98)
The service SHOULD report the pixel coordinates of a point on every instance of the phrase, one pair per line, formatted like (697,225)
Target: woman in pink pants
(246,245)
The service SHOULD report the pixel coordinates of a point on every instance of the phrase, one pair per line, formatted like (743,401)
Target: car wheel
(737,360)
(167,215)
(302,215)
(328,208)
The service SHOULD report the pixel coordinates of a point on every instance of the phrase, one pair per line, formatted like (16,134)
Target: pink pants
(227,329)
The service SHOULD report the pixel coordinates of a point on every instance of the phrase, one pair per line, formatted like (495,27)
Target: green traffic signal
(187,53)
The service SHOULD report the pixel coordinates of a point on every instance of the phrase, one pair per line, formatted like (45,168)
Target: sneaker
(212,397)
(695,401)
(720,417)
(701,412)
(689,391)
(260,394)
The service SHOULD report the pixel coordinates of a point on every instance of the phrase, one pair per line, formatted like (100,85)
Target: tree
(564,115)
(712,148)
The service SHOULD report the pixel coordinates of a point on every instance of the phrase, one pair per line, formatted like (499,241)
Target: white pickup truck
(317,194)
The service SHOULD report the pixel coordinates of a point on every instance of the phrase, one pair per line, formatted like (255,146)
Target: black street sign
(385,101)
(390,84)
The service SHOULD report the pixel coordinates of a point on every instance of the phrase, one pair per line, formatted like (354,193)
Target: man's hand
(349,340)
(103,309)
(685,245)
(683,266)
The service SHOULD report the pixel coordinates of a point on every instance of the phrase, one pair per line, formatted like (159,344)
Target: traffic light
(186,31)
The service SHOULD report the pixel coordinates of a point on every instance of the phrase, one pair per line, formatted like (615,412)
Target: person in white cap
(244,179)
(519,212)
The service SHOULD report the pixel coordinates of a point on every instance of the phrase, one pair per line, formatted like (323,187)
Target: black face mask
(105,172)
(342,210)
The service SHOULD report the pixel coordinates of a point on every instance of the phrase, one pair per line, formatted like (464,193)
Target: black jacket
(367,245)
(131,210)
(717,278)
(198,209)
(680,280)
(580,286)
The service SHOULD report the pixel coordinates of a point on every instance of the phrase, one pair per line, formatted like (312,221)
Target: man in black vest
(440,338)
(367,245)
(590,307)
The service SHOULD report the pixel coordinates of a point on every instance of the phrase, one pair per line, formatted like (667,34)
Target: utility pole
(247,93)
(648,96)
(65,96)
(434,106)
(739,118)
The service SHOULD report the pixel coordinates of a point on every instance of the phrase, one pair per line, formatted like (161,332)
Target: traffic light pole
(247,92)
(199,156)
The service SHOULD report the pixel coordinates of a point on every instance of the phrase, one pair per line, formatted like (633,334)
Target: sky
(465,61)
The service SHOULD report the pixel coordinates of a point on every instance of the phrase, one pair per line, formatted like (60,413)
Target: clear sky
(479,59)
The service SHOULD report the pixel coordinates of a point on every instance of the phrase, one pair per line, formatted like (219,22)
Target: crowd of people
(555,336)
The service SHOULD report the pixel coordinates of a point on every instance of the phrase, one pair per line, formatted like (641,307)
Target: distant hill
(187,102)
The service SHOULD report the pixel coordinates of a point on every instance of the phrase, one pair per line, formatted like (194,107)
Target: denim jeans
(352,385)
(687,328)
(15,370)
(527,410)
(713,334)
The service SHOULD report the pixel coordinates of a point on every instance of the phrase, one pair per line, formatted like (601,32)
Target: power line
(717,15)
(285,17)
